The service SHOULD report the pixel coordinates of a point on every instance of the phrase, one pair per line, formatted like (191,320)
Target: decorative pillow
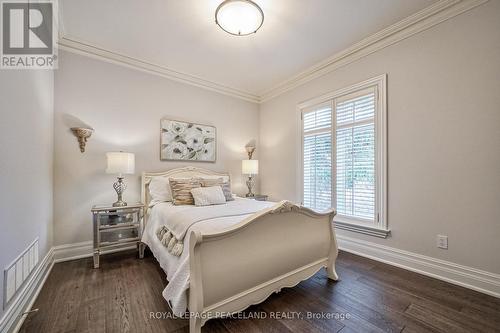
(206,196)
(159,189)
(181,190)
(225,185)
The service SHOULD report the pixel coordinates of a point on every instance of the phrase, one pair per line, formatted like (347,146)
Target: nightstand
(117,227)
(258,197)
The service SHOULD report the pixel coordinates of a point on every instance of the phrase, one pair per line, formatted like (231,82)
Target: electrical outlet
(442,242)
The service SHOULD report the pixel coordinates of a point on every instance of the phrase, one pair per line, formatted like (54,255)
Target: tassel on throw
(177,249)
(168,240)
(160,232)
(171,244)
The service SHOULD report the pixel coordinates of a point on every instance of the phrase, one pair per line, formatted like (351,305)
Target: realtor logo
(28,35)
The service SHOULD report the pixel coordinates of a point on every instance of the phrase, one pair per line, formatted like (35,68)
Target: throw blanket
(176,224)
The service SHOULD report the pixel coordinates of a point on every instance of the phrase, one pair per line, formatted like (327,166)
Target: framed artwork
(182,141)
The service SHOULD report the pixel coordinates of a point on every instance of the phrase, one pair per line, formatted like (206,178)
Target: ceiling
(181,35)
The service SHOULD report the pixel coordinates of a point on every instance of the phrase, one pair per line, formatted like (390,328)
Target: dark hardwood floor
(370,297)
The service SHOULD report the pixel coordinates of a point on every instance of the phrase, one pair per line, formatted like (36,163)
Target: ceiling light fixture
(239,17)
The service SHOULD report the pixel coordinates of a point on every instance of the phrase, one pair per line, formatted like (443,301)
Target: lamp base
(120,203)
(120,187)
(250,185)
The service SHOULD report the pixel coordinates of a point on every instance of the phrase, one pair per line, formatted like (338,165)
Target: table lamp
(120,163)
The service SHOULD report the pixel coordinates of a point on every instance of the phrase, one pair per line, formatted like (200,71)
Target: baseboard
(12,319)
(74,251)
(468,277)
(81,250)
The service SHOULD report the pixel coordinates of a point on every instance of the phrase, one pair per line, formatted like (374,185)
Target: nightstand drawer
(107,228)
(119,236)
(116,219)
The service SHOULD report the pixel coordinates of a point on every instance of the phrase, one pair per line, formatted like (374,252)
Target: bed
(230,262)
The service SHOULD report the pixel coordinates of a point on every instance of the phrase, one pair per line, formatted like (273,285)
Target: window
(343,156)
(355,156)
(317,145)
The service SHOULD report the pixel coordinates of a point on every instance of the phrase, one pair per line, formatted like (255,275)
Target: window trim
(381,227)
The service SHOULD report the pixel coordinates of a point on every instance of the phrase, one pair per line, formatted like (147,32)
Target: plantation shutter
(355,155)
(317,158)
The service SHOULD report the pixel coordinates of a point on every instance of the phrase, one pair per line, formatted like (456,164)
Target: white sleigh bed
(242,264)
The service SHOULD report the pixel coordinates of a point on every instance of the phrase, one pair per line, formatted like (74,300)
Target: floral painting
(181,141)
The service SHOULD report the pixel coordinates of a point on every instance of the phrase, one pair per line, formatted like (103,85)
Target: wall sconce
(250,150)
(82,134)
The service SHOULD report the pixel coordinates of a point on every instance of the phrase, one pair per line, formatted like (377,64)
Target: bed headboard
(185,172)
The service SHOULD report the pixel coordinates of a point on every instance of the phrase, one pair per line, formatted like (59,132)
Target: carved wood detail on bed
(242,265)
(276,248)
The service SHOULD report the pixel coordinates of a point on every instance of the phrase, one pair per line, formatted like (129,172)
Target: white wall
(124,106)
(26,150)
(444,137)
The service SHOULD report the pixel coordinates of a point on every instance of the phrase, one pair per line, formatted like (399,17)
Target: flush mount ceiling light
(239,17)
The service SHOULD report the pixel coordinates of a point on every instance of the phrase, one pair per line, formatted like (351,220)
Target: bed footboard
(277,248)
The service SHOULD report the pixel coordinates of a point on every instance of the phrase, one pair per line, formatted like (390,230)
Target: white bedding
(177,268)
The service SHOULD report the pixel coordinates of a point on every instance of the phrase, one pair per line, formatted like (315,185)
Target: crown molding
(416,23)
(427,18)
(74,45)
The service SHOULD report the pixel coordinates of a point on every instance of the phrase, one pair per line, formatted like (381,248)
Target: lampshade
(120,163)
(250,167)
(239,17)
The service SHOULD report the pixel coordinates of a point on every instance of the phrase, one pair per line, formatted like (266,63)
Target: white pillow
(206,196)
(159,189)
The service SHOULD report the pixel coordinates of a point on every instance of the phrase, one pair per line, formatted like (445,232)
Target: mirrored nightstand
(117,227)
